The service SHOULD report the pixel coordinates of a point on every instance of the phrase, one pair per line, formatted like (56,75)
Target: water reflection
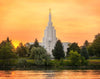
(50,74)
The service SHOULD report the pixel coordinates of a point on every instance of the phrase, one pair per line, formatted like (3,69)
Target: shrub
(7,62)
(76,59)
(40,56)
(22,62)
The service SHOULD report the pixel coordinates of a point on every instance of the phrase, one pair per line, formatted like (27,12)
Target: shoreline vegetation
(29,57)
(51,68)
(54,65)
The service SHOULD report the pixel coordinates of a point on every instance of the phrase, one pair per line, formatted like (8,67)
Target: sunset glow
(15,43)
(25,20)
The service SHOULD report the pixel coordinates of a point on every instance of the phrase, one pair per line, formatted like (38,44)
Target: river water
(50,74)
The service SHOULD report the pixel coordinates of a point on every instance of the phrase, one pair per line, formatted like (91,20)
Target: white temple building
(50,39)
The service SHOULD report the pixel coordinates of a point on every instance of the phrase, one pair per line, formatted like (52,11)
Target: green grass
(94,57)
(94,62)
(30,60)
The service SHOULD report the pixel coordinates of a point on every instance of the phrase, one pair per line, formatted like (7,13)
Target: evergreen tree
(3,43)
(74,46)
(8,39)
(91,50)
(98,35)
(96,45)
(84,52)
(58,51)
(86,43)
(36,43)
(21,50)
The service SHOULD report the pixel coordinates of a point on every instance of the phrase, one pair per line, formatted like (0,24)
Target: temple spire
(49,14)
(49,10)
(50,22)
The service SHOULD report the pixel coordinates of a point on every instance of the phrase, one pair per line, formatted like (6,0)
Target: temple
(50,39)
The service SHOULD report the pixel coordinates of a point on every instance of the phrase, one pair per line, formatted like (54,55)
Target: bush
(40,56)
(22,62)
(7,62)
(55,63)
(76,59)
(47,60)
(58,63)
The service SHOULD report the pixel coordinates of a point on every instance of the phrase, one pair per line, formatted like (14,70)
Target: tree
(58,51)
(36,44)
(91,50)
(3,43)
(21,50)
(84,52)
(6,49)
(40,56)
(74,46)
(8,39)
(7,55)
(76,59)
(86,43)
(6,52)
(22,62)
(96,45)
(98,35)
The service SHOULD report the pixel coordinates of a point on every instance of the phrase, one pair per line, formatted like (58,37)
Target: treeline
(88,49)
(35,55)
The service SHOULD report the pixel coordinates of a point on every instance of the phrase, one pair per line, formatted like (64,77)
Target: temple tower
(49,38)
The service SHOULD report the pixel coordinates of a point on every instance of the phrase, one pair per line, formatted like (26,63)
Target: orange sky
(25,20)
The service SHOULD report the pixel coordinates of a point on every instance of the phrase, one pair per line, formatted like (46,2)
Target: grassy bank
(54,64)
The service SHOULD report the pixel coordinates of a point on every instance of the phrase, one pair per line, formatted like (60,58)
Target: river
(49,74)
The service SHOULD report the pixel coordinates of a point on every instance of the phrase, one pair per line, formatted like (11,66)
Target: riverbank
(53,65)
(51,68)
